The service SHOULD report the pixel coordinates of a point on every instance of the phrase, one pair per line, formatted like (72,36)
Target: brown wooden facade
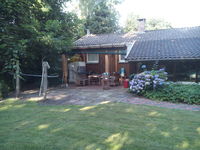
(107,63)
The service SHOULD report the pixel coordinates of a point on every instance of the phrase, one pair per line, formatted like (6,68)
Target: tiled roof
(104,40)
(167,44)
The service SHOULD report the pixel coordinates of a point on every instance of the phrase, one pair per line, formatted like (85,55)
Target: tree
(154,24)
(33,30)
(151,24)
(131,23)
(87,6)
(102,20)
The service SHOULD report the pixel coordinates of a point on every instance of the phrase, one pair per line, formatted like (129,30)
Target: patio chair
(82,80)
(114,79)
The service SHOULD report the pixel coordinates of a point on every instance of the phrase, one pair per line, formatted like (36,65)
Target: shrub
(148,80)
(176,93)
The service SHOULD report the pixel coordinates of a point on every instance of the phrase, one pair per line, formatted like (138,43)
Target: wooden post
(44,81)
(116,63)
(174,72)
(196,72)
(107,69)
(64,68)
(17,80)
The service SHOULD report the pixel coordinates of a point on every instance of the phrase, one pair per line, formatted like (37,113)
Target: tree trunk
(17,80)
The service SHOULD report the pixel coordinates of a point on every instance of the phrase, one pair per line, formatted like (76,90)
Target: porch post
(196,72)
(64,68)
(174,72)
(116,62)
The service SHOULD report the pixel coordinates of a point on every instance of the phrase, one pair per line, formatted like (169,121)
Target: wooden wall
(114,64)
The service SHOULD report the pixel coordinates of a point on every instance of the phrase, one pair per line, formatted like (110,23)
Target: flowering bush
(148,80)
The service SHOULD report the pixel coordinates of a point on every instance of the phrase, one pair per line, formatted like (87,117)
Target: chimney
(141,25)
(88,31)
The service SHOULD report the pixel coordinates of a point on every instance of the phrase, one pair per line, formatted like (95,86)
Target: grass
(112,126)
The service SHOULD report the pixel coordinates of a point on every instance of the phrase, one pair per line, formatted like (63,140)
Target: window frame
(93,62)
(122,60)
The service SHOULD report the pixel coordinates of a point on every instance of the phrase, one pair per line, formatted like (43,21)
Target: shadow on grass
(113,126)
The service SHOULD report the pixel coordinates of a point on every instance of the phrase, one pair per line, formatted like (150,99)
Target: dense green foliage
(112,126)
(102,20)
(100,15)
(87,7)
(31,31)
(176,93)
(151,24)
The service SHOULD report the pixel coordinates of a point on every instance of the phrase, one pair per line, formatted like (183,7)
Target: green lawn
(113,126)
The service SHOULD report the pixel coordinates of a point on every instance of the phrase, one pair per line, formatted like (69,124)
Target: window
(122,58)
(92,58)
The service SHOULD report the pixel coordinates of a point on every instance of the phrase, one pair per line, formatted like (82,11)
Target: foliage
(131,23)
(155,24)
(176,93)
(151,23)
(29,126)
(102,20)
(148,80)
(87,6)
(34,30)
(4,89)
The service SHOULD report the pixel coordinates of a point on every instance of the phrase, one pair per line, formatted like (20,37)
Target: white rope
(37,75)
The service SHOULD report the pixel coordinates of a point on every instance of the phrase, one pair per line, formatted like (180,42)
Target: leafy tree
(102,20)
(33,30)
(131,23)
(87,7)
(18,27)
(154,24)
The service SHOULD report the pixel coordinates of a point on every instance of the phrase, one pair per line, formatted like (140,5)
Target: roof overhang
(161,59)
(113,45)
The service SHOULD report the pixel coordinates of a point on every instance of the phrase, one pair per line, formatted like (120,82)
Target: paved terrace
(93,95)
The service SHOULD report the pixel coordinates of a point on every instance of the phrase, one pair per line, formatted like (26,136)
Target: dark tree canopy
(32,30)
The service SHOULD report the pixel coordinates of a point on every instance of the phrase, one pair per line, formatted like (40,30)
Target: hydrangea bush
(148,80)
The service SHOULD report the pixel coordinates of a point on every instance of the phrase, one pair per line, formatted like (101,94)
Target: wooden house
(176,49)
(105,52)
